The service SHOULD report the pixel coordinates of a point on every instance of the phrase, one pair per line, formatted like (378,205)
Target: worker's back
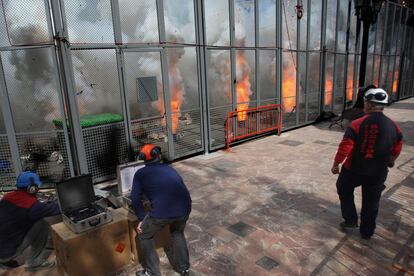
(164,188)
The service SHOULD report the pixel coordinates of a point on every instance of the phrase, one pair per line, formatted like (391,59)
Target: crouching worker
(22,226)
(170,205)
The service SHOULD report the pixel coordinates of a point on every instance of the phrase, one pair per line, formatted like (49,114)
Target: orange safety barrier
(249,122)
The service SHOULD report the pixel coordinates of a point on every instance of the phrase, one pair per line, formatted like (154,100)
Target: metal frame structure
(208,126)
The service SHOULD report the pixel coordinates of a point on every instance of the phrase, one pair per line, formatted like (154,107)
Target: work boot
(142,273)
(346,224)
(9,264)
(44,265)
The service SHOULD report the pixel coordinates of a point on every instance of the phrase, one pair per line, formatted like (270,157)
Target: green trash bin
(105,143)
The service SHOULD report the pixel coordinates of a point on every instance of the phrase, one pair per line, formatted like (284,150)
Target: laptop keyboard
(84,213)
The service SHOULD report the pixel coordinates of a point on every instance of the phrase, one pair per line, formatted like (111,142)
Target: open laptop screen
(75,193)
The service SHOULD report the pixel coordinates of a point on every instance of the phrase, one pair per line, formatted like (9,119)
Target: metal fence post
(201,63)
(165,78)
(323,57)
(8,121)
(68,86)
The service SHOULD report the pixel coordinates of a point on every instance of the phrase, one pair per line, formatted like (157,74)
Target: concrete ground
(269,207)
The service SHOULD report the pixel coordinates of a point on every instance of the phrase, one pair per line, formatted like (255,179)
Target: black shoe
(185,273)
(346,224)
(9,265)
(365,237)
(142,273)
(45,265)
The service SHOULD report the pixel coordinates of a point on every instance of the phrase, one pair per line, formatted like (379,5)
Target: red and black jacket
(19,210)
(368,144)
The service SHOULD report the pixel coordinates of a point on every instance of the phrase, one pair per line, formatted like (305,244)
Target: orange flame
(395,82)
(328,91)
(349,89)
(289,88)
(177,92)
(243,88)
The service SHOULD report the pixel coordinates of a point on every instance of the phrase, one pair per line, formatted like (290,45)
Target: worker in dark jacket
(170,205)
(370,145)
(22,226)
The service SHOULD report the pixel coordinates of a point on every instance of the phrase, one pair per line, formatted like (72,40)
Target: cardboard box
(161,239)
(103,250)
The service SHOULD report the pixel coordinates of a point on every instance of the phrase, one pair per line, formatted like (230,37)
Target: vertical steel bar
(384,38)
(402,54)
(348,27)
(165,79)
(256,52)
(201,63)
(116,21)
(386,86)
(257,56)
(279,45)
(68,84)
(8,121)
(62,113)
(394,95)
(298,65)
(232,55)
(59,89)
(375,50)
(334,84)
(309,20)
(322,72)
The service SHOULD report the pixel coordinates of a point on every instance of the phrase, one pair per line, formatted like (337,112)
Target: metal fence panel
(89,21)
(23,22)
(139,21)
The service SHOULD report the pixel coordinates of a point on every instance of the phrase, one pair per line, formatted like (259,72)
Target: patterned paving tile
(320,142)
(241,229)
(291,143)
(267,263)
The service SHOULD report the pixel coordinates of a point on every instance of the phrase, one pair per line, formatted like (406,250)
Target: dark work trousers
(177,255)
(34,243)
(372,187)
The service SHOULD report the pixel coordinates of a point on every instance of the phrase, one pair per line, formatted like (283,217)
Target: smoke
(95,71)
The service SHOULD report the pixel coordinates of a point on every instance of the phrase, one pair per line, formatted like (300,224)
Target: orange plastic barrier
(249,122)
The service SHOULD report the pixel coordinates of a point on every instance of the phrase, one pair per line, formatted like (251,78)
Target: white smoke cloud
(91,21)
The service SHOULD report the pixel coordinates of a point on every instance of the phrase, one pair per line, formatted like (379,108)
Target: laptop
(76,198)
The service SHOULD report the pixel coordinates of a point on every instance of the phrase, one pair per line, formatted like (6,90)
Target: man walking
(170,205)
(370,145)
(22,226)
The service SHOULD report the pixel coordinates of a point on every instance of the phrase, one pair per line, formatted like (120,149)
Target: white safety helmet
(376,95)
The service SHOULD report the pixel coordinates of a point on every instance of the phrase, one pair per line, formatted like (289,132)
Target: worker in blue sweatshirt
(170,205)
(22,226)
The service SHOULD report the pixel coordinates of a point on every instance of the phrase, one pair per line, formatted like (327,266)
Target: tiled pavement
(269,207)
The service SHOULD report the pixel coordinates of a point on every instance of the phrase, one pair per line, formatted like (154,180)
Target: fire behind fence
(245,123)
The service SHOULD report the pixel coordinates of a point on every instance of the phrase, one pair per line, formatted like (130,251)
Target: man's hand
(335,168)
(391,162)
(139,230)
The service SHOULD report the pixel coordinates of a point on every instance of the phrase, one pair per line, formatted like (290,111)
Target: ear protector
(149,152)
(32,188)
(28,181)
